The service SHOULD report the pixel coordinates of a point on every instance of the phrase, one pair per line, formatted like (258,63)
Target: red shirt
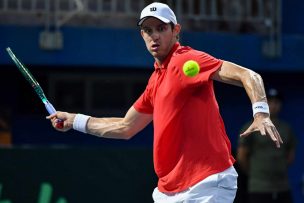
(190,142)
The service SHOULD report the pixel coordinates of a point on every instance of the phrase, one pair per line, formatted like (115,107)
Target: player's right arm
(117,128)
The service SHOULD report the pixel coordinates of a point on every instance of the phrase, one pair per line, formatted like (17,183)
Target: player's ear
(177,28)
(142,32)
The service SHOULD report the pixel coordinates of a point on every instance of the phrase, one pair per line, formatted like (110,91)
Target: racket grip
(50,108)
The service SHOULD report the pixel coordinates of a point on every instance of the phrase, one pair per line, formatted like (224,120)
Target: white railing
(261,16)
(196,10)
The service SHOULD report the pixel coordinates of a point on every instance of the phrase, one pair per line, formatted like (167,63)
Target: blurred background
(89,57)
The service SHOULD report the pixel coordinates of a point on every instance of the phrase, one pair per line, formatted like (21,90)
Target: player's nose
(155,36)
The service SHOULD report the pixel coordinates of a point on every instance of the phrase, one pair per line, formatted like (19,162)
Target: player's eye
(147,30)
(162,28)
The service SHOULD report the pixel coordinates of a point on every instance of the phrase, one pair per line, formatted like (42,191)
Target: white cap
(158,10)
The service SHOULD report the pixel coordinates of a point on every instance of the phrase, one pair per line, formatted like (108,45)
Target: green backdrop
(76,175)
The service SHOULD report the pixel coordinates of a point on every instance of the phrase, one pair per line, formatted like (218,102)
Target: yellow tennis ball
(191,68)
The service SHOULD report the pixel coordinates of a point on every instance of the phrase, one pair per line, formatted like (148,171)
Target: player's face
(159,37)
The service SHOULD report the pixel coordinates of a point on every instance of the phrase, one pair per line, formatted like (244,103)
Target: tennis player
(192,153)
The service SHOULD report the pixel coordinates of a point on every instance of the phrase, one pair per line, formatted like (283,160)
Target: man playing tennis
(192,153)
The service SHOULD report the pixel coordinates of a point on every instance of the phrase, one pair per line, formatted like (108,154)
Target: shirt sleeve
(144,103)
(207,63)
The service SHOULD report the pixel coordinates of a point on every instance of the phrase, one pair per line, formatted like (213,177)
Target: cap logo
(153,9)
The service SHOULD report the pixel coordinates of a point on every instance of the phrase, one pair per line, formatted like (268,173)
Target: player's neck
(161,60)
(158,61)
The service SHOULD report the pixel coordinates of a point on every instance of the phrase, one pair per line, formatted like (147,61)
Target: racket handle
(50,108)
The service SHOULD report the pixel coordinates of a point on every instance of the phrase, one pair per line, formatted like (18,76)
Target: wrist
(260,107)
(260,115)
(80,122)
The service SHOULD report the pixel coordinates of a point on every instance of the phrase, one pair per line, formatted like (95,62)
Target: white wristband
(260,107)
(80,122)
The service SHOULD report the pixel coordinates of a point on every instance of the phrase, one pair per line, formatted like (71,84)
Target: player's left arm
(234,74)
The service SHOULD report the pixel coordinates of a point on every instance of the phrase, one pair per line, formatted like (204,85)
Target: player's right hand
(65,117)
(264,125)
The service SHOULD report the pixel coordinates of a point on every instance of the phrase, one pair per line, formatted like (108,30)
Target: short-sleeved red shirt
(190,142)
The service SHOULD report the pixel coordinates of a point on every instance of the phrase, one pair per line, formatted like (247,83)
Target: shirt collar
(168,57)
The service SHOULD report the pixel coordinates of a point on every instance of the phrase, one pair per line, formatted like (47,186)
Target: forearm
(252,82)
(254,86)
(114,128)
(237,75)
(118,128)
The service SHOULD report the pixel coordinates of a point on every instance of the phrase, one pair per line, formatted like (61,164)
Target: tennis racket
(33,82)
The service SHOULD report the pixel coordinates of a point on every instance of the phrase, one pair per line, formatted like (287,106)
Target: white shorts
(217,188)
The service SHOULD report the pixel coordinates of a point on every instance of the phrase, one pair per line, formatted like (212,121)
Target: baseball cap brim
(165,20)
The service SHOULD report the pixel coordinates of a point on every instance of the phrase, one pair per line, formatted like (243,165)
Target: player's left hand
(264,125)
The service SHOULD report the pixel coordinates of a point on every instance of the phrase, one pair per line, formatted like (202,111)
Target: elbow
(118,130)
(250,77)
(254,76)
(123,134)
(258,77)
(127,135)
(128,130)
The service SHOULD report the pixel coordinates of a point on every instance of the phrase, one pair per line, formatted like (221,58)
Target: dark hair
(172,27)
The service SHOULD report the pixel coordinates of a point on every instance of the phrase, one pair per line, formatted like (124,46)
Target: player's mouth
(155,47)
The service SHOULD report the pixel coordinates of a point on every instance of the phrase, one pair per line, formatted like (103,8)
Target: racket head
(27,75)
(30,78)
